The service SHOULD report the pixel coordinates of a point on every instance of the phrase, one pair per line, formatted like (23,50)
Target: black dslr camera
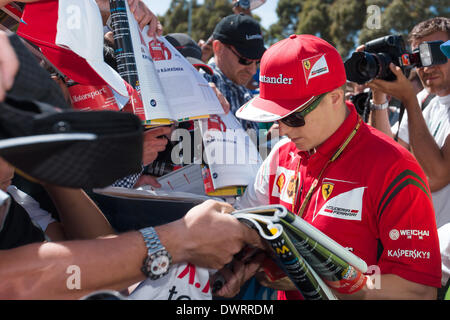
(379,53)
(361,101)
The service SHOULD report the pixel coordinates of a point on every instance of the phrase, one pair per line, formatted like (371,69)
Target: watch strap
(154,250)
(383,106)
(151,240)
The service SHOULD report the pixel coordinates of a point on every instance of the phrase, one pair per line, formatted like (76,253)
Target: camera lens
(368,66)
(361,67)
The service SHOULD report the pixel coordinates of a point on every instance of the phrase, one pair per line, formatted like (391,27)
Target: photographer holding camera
(425,132)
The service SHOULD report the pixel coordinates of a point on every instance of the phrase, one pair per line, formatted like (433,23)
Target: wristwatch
(159,260)
(382,106)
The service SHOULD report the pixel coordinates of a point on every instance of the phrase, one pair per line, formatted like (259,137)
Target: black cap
(189,49)
(243,32)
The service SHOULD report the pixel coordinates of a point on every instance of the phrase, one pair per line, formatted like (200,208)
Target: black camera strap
(424,104)
(427,100)
(400,117)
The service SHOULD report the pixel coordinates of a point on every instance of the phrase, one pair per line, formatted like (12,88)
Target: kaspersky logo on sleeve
(315,67)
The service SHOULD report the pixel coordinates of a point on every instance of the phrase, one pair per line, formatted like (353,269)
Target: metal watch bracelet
(382,106)
(153,268)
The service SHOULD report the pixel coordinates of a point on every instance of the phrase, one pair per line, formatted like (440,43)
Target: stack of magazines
(313,261)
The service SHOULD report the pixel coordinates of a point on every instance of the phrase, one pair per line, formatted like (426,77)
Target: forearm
(424,147)
(41,270)
(392,287)
(379,119)
(79,215)
(55,232)
(433,160)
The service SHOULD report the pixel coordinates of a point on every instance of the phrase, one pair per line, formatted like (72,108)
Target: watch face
(159,265)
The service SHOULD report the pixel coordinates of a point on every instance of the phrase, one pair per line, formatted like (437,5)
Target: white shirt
(437,118)
(39,216)
(444,244)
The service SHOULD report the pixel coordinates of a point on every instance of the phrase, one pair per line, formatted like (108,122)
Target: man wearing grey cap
(238,46)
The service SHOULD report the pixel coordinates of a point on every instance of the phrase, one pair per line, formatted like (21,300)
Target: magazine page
(292,263)
(171,89)
(135,64)
(141,194)
(321,238)
(89,98)
(335,272)
(185,179)
(187,91)
(339,268)
(231,155)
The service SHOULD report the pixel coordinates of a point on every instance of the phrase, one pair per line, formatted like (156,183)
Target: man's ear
(217,46)
(337,96)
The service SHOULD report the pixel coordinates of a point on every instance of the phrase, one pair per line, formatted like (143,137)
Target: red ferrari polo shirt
(374,199)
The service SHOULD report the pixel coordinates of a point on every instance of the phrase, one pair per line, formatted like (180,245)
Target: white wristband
(382,106)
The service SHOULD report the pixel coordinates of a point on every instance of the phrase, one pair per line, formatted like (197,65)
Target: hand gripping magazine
(313,261)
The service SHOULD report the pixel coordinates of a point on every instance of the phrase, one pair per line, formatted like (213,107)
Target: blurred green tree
(204,17)
(348,23)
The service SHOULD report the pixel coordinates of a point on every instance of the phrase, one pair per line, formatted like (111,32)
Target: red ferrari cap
(293,72)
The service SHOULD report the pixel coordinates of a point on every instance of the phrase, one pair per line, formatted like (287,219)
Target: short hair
(430,26)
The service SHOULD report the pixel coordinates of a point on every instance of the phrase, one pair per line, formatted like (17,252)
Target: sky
(266,11)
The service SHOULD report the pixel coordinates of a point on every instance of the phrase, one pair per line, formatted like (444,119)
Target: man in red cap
(344,177)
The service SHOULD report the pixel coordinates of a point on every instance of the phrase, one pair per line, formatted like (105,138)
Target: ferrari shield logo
(307,64)
(327,188)
(280,182)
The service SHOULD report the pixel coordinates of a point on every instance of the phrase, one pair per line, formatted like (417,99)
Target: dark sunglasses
(242,60)
(297,119)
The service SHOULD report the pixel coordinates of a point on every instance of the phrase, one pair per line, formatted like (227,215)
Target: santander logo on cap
(315,66)
(276,80)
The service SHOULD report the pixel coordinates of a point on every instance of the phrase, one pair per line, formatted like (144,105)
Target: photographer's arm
(379,119)
(434,161)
